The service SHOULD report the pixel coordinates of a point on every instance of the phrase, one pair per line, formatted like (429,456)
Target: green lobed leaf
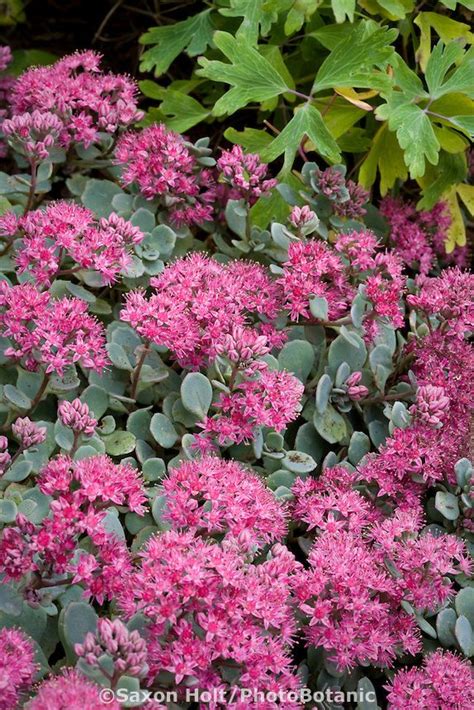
(251,76)
(192,35)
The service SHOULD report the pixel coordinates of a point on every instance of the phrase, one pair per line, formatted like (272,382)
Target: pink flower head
(330,503)
(354,390)
(301,216)
(419,237)
(76,416)
(28,433)
(85,99)
(5,457)
(70,690)
(354,207)
(313,269)
(218,497)
(200,305)
(358,247)
(245,174)
(449,297)
(99,479)
(205,603)
(270,399)
(5,57)
(443,682)
(33,134)
(352,604)
(127,648)
(64,232)
(51,333)
(385,288)
(162,165)
(431,405)
(17,667)
(330,183)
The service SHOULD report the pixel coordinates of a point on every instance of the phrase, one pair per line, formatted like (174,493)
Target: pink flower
(5,57)
(449,297)
(245,174)
(354,207)
(313,269)
(206,604)
(352,604)
(126,648)
(28,433)
(331,503)
(51,333)
(199,306)
(443,682)
(84,98)
(431,405)
(418,237)
(385,288)
(65,232)
(17,667)
(33,134)
(76,416)
(214,497)
(354,390)
(358,247)
(99,479)
(301,216)
(70,690)
(162,165)
(5,457)
(271,399)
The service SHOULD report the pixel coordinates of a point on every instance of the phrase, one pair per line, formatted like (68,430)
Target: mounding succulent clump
(235,419)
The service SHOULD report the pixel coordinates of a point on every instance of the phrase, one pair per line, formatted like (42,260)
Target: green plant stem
(39,395)
(138,369)
(31,193)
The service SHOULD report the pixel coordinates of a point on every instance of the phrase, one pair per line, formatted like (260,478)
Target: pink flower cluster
(95,479)
(444,682)
(49,333)
(363,567)
(198,303)
(85,99)
(160,162)
(245,174)
(6,83)
(33,134)
(127,649)
(426,451)
(28,433)
(313,269)
(71,690)
(210,611)
(67,232)
(419,237)
(76,415)
(271,398)
(82,491)
(17,667)
(214,497)
(450,298)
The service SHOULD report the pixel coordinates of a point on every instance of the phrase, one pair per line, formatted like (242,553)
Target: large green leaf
(441,61)
(192,35)
(355,60)
(258,17)
(252,77)
(307,121)
(416,136)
